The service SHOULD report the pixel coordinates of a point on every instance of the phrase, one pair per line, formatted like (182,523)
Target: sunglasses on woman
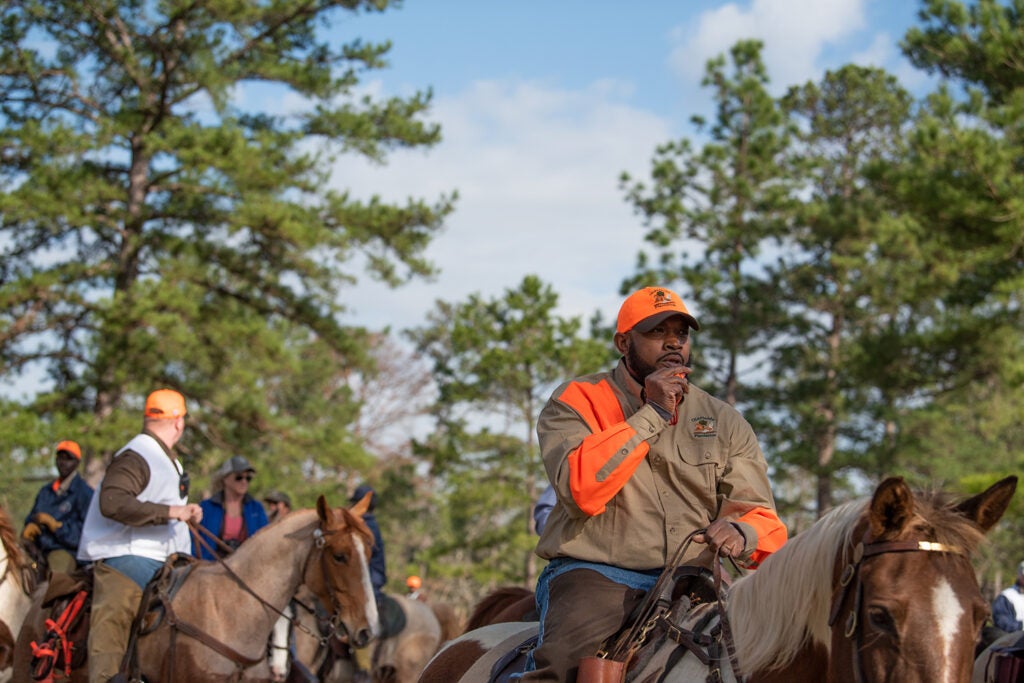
(241,477)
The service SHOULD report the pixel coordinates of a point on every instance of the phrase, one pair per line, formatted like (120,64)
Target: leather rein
(223,649)
(850,579)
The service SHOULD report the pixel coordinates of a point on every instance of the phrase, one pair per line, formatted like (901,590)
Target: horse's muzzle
(362,637)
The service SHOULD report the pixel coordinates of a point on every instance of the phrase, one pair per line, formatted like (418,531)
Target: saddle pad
(392,618)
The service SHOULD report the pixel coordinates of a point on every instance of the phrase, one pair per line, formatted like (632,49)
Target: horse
(505,603)
(307,639)
(985,664)
(16,586)
(397,657)
(876,590)
(401,657)
(216,623)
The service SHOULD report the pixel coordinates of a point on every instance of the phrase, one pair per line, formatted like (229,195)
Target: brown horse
(217,625)
(16,585)
(878,590)
(506,603)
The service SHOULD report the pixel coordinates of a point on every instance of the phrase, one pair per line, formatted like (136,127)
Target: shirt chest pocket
(702,453)
(702,460)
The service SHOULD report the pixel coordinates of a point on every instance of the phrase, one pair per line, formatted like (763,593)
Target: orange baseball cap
(70,447)
(645,308)
(165,404)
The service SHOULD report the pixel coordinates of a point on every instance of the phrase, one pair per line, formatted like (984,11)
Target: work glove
(48,521)
(31,532)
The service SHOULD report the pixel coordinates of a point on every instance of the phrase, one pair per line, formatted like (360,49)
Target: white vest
(1016,599)
(103,537)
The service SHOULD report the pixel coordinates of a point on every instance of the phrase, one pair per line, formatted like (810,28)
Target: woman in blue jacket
(231,514)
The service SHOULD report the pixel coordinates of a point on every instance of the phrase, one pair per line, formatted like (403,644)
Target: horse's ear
(360,508)
(892,507)
(987,507)
(324,510)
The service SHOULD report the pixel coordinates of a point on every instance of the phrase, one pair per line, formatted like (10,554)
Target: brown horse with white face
(881,590)
(327,550)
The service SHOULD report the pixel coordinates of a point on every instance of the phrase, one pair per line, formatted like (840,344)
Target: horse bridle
(850,577)
(240,660)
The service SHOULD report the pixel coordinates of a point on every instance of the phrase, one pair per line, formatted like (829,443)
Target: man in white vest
(136,520)
(1008,608)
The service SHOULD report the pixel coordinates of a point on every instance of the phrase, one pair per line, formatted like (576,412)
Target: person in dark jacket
(1008,607)
(231,513)
(54,525)
(378,566)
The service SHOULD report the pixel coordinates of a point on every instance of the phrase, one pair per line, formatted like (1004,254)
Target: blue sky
(544,104)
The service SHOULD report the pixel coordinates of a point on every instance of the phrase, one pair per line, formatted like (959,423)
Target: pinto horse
(876,590)
(217,624)
(15,592)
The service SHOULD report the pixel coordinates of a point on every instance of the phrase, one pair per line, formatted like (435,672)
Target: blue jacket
(253,516)
(69,508)
(378,567)
(1004,615)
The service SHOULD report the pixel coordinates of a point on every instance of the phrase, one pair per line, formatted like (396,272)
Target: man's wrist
(665,414)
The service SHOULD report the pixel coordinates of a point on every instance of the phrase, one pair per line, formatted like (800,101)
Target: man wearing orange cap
(639,459)
(54,526)
(135,522)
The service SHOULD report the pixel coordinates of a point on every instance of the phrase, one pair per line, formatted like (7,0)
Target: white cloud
(537,173)
(794,32)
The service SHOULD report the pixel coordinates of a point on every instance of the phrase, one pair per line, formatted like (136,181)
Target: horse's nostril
(362,637)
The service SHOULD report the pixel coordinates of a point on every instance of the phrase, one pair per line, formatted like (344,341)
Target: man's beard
(637,367)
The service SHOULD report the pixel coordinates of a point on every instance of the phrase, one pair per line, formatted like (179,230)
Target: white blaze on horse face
(947,610)
(371,601)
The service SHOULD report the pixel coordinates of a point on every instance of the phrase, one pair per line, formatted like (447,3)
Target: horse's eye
(881,620)
(341,557)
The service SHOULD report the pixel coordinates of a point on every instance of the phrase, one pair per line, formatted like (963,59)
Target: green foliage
(710,214)
(860,258)
(495,361)
(157,229)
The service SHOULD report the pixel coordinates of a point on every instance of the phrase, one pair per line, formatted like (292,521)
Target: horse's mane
(9,538)
(776,609)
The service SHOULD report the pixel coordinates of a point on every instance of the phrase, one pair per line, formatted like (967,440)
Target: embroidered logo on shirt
(704,427)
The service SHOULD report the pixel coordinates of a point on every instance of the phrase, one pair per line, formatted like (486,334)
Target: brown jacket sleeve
(126,477)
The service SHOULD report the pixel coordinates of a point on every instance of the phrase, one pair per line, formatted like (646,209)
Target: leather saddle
(693,597)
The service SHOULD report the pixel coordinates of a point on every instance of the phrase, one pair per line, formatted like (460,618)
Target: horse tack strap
(851,577)
(205,638)
(867,548)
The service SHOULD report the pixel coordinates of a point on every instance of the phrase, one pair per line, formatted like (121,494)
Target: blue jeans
(138,569)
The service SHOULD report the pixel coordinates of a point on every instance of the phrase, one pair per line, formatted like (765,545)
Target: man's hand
(723,538)
(31,532)
(667,386)
(186,513)
(48,521)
